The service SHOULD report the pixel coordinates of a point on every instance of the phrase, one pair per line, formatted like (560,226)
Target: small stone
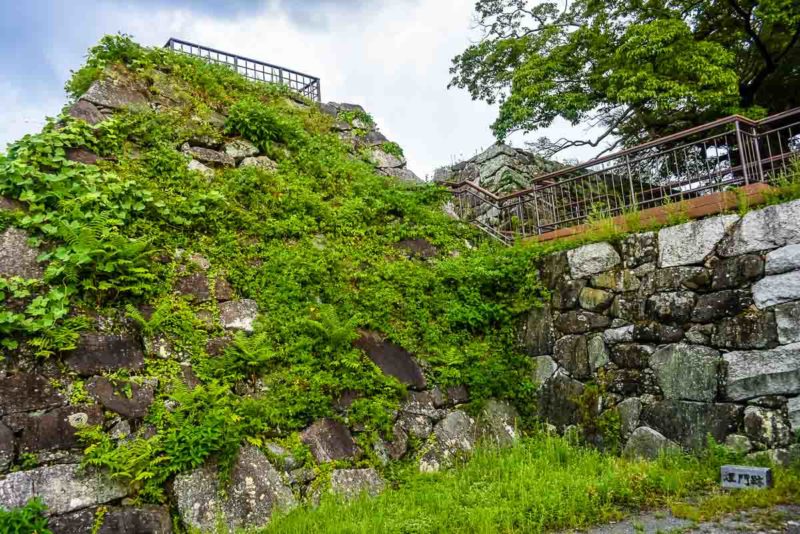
(647,443)
(391,359)
(195,165)
(131,401)
(680,278)
(86,111)
(207,156)
(415,425)
(16,257)
(793,407)
(417,248)
(787,320)
(120,430)
(239,149)
(750,330)
(580,322)
(688,372)
(384,160)
(97,353)
(654,332)
(777,289)
(616,280)
(238,314)
(592,259)
(571,352)
(628,308)
(350,483)
(763,372)
(738,443)
(692,242)
(329,440)
(783,260)
(259,162)
(674,307)
(544,368)
(195,286)
(81,155)
(598,353)
(700,334)
(623,334)
(731,273)
(595,299)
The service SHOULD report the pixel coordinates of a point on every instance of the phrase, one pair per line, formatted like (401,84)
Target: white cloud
(19,116)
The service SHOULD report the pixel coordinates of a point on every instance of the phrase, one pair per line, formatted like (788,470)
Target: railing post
(742,153)
(630,179)
(759,166)
(536,211)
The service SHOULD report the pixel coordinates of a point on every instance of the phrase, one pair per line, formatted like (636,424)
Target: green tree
(636,68)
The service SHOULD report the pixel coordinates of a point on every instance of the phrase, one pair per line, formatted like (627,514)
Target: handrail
(727,152)
(300,82)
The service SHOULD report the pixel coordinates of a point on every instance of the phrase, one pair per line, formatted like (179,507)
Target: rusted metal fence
(250,68)
(717,156)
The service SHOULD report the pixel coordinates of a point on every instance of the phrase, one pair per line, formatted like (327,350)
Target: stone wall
(689,331)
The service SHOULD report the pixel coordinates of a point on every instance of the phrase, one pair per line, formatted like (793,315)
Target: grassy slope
(541,484)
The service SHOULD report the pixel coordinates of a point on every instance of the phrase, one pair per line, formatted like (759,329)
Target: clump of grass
(543,483)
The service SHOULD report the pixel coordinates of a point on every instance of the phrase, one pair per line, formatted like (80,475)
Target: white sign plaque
(745,477)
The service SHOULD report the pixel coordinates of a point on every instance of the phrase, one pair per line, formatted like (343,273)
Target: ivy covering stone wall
(665,338)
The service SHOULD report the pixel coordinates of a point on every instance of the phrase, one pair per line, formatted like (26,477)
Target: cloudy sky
(391,56)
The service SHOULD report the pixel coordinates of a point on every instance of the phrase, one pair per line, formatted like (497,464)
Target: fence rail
(713,157)
(250,68)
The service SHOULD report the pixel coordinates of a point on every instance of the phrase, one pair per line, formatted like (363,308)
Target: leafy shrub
(28,519)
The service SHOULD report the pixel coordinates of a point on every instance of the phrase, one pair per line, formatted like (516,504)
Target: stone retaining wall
(689,331)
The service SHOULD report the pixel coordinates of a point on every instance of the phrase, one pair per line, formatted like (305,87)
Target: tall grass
(541,484)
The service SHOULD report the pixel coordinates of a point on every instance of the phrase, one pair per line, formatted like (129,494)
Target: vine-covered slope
(151,227)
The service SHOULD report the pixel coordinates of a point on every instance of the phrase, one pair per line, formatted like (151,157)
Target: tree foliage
(638,68)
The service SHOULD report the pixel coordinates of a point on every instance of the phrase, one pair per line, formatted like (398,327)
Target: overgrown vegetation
(28,519)
(315,243)
(544,483)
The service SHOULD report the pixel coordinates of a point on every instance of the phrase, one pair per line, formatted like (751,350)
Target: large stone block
(571,352)
(538,334)
(86,111)
(544,368)
(97,353)
(16,257)
(629,411)
(238,314)
(256,490)
(115,520)
(63,488)
(114,94)
(132,403)
(558,400)
(687,372)
(783,260)
(595,299)
(6,447)
(713,306)
(793,407)
(208,156)
(764,229)
(52,430)
(647,443)
(350,483)
(453,436)
(679,278)
(239,149)
(777,289)
(692,242)
(730,273)
(392,359)
(763,372)
(689,423)
(26,392)
(631,355)
(592,259)
(768,427)
(673,307)
(329,440)
(638,249)
(580,322)
(749,330)
(566,293)
(497,423)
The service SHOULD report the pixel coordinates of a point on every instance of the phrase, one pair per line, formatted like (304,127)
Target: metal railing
(717,156)
(250,68)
